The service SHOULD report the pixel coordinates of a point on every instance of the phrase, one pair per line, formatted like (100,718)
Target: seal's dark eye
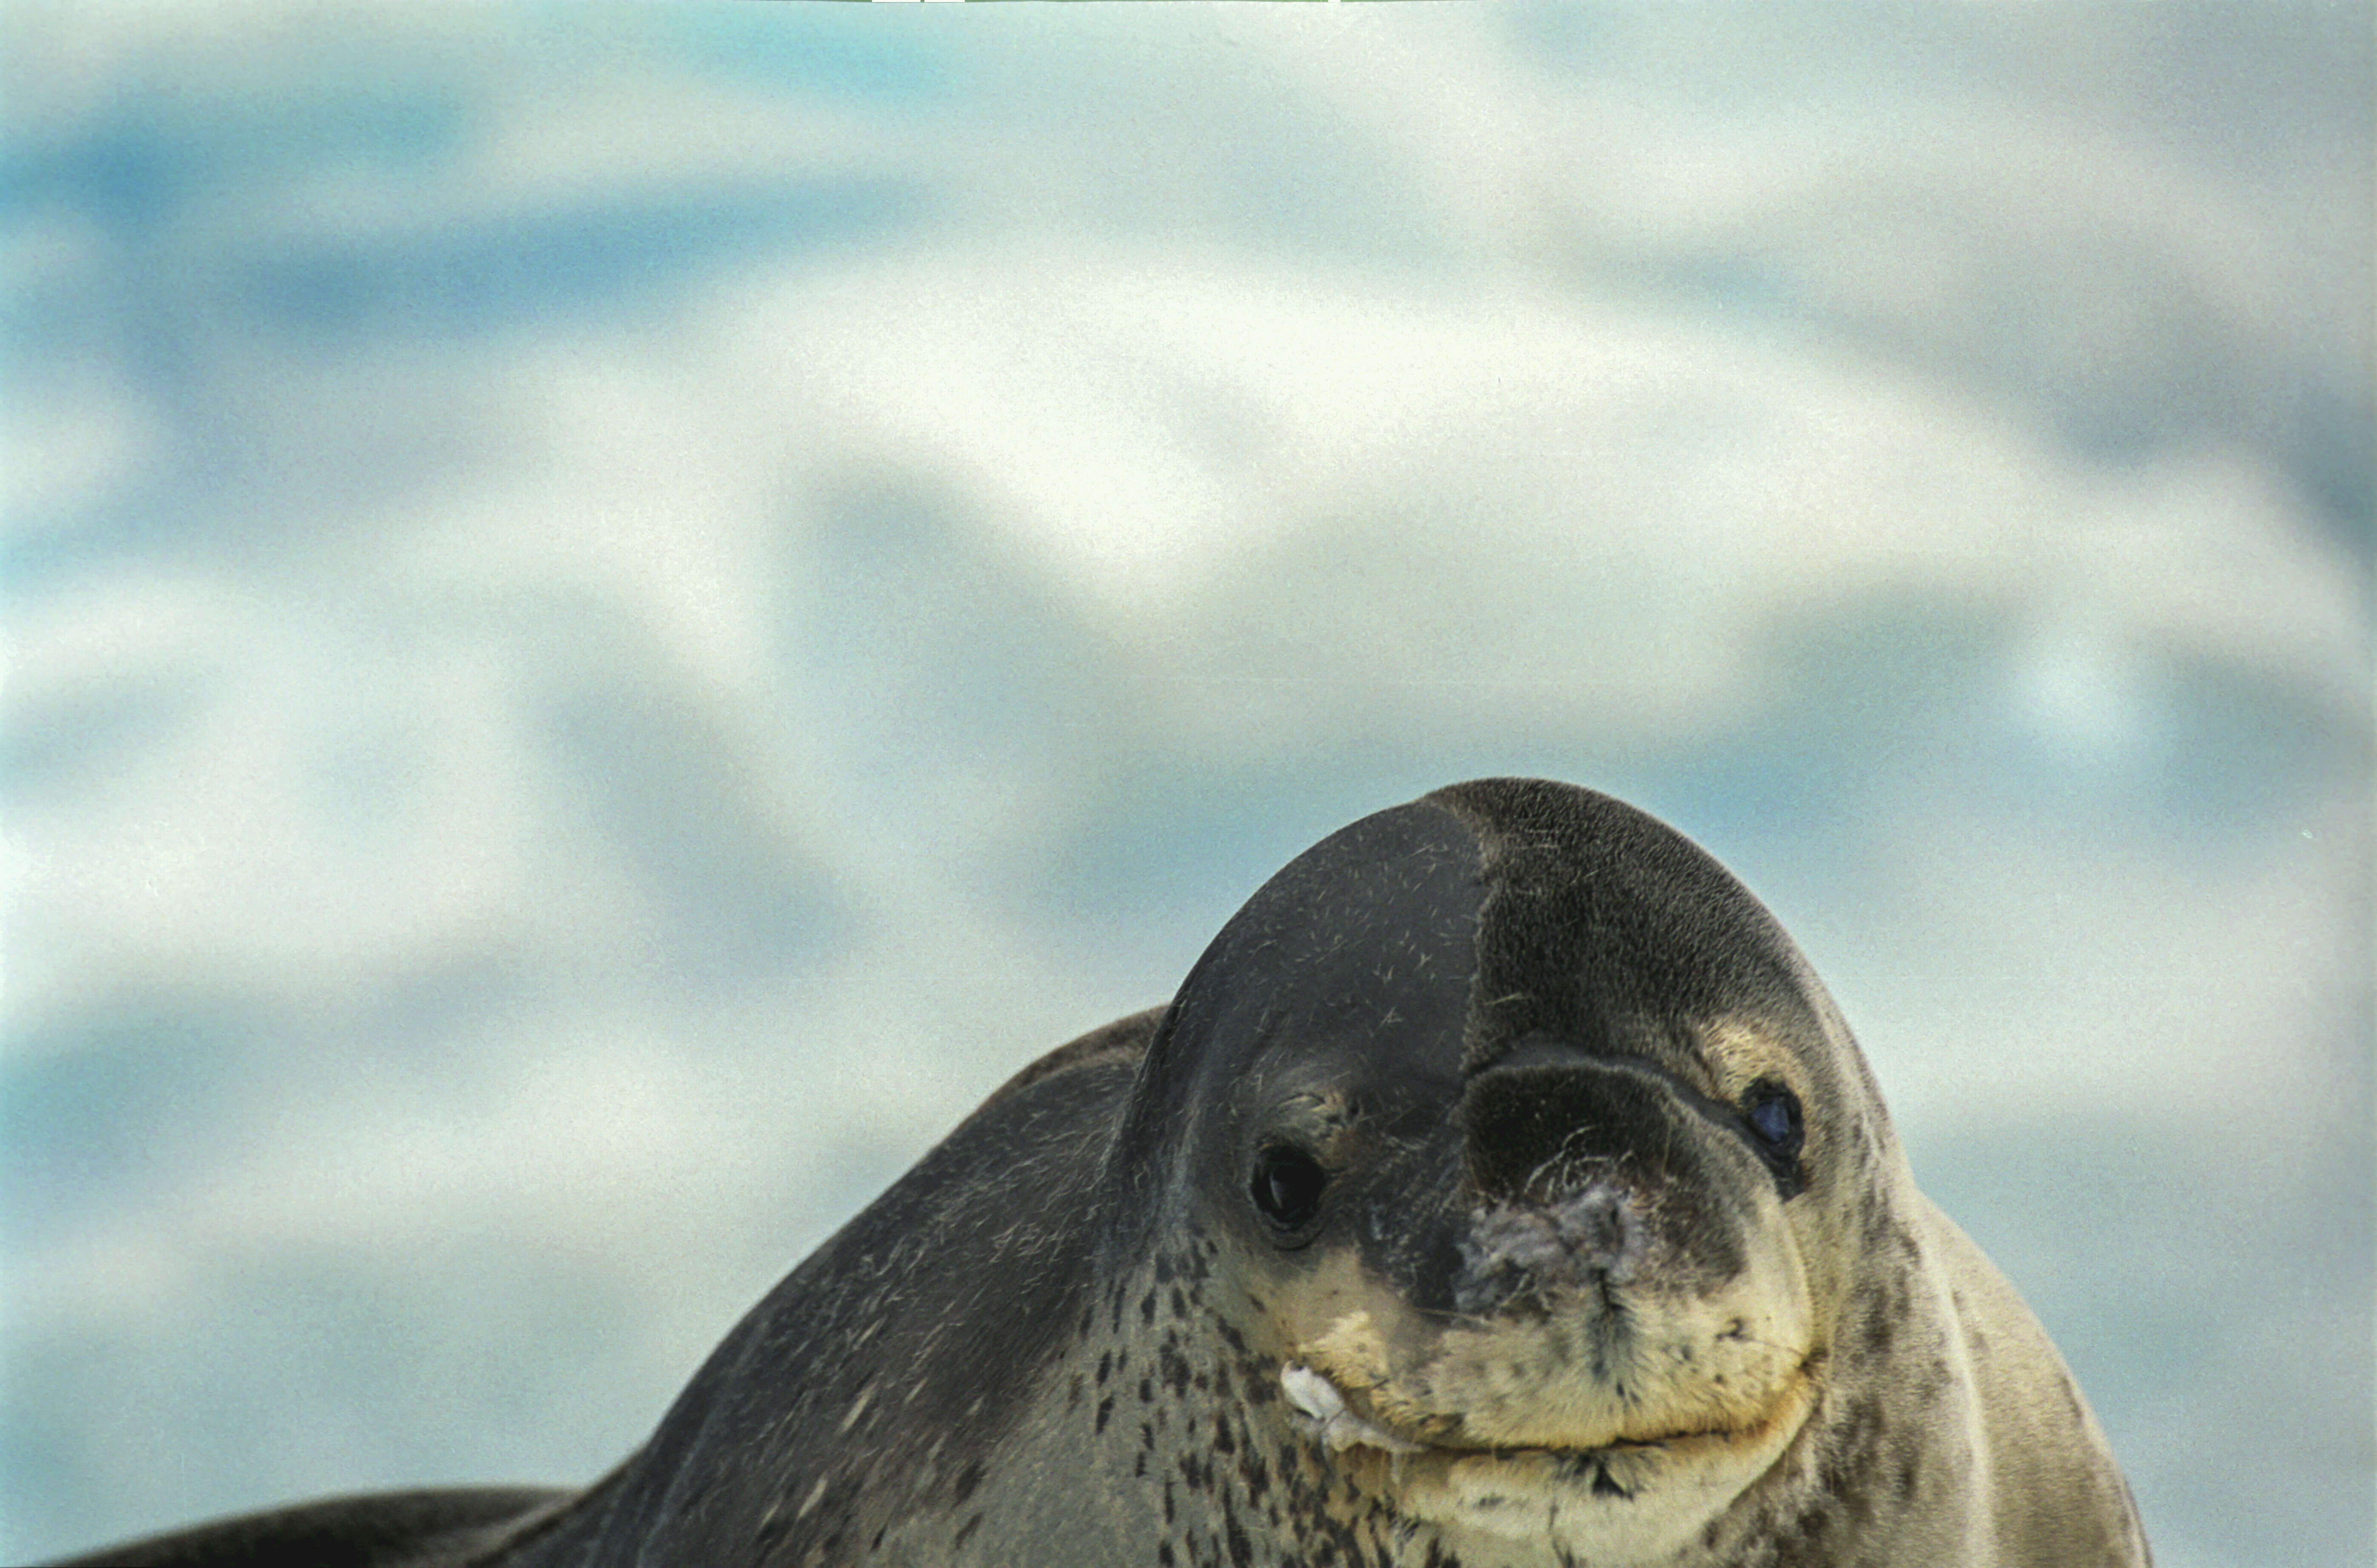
(1774,1113)
(1287,1185)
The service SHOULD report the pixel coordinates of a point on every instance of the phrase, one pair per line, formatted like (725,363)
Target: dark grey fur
(1497,1020)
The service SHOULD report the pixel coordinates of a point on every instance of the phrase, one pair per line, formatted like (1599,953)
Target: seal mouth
(1340,1427)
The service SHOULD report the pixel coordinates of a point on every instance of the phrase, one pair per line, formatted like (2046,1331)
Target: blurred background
(612,615)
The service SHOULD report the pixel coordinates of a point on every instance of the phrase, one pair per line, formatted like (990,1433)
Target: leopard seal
(1501,1188)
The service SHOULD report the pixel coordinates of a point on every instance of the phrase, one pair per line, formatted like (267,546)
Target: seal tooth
(1340,1428)
(1311,1393)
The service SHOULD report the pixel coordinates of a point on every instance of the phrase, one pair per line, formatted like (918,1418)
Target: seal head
(1508,1107)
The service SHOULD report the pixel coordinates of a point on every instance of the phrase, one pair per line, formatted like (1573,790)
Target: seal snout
(1585,1171)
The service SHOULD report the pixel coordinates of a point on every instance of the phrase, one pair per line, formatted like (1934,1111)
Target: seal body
(1501,1189)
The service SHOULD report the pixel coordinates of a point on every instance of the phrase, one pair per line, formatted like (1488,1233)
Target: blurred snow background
(612,615)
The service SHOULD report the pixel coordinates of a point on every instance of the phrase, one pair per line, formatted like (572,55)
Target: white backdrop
(613,614)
